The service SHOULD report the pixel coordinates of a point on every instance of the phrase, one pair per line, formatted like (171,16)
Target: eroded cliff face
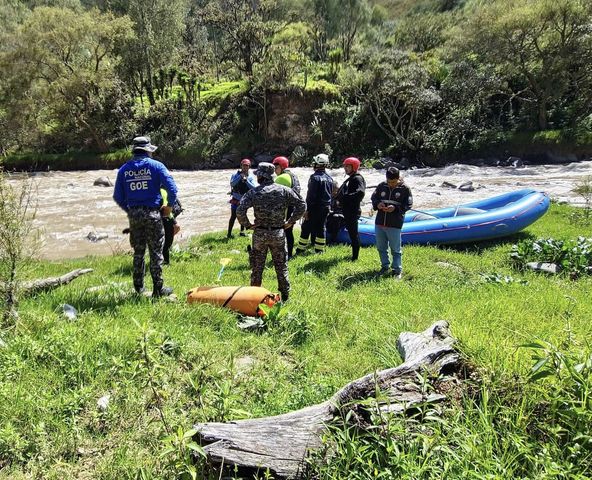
(289,119)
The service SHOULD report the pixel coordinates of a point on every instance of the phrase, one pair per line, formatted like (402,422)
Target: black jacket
(400,197)
(350,195)
(320,188)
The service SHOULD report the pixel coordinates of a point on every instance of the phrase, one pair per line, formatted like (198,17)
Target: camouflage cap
(265,170)
(143,144)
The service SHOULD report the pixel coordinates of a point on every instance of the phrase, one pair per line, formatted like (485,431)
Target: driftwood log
(280,444)
(35,286)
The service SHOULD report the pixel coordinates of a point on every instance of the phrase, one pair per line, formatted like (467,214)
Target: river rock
(466,187)
(69,311)
(515,162)
(102,182)
(448,185)
(380,164)
(551,268)
(103,403)
(95,237)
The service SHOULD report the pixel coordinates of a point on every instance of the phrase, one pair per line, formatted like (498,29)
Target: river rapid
(70,209)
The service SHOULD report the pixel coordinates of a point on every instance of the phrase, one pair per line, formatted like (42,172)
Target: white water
(70,207)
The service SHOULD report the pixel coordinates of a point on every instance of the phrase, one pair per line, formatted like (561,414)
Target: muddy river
(71,210)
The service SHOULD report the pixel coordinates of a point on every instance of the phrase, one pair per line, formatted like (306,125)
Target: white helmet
(320,160)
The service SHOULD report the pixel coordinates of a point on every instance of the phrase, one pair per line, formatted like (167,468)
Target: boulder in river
(466,187)
(515,162)
(448,185)
(96,237)
(102,182)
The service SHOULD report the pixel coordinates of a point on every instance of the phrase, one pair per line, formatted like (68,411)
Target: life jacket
(177,208)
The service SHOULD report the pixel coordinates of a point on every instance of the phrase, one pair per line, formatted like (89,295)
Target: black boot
(162,292)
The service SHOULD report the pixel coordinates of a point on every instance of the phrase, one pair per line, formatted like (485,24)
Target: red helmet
(246,161)
(282,162)
(353,161)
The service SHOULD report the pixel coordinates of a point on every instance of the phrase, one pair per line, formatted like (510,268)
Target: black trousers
(351,225)
(231,222)
(314,228)
(169,233)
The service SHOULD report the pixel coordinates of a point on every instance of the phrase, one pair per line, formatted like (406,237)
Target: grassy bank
(166,366)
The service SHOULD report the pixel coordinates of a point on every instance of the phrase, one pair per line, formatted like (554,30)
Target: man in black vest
(349,198)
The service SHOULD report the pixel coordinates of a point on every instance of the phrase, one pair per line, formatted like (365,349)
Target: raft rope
(231,296)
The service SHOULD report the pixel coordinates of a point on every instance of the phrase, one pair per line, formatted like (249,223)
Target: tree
(353,15)
(17,242)
(338,21)
(398,93)
(159,26)
(59,68)
(543,47)
(246,28)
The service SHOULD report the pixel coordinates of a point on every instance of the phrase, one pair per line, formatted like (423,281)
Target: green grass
(203,368)
(223,89)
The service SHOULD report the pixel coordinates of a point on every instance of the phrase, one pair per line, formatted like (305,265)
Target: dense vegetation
(427,79)
(113,392)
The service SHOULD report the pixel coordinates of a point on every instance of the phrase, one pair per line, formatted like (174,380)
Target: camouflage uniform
(269,202)
(137,192)
(146,229)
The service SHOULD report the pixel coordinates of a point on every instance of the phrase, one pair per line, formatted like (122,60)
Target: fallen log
(281,444)
(35,286)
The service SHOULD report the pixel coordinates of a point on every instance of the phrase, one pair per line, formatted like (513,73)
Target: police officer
(349,197)
(137,192)
(318,203)
(269,202)
(240,183)
(287,178)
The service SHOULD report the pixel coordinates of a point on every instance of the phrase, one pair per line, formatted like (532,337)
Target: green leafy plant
(567,400)
(179,451)
(584,189)
(280,319)
(574,257)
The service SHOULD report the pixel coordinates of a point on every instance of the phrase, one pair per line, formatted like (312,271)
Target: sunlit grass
(53,371)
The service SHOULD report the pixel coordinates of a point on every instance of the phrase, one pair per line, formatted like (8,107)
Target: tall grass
(342,322)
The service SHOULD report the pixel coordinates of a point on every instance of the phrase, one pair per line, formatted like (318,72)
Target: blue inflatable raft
(493,217)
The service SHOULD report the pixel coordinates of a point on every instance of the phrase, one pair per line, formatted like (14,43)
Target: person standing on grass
(137,192)
(171,228)
(318,204)
(349,197)
(285,177)
(269,202)
(391,199)
(240,183)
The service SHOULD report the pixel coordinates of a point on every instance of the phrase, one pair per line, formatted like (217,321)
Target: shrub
(574,257)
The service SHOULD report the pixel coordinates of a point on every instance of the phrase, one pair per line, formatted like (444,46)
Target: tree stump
(280,444)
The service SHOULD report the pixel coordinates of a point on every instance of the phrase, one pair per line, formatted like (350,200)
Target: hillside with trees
(430,80)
